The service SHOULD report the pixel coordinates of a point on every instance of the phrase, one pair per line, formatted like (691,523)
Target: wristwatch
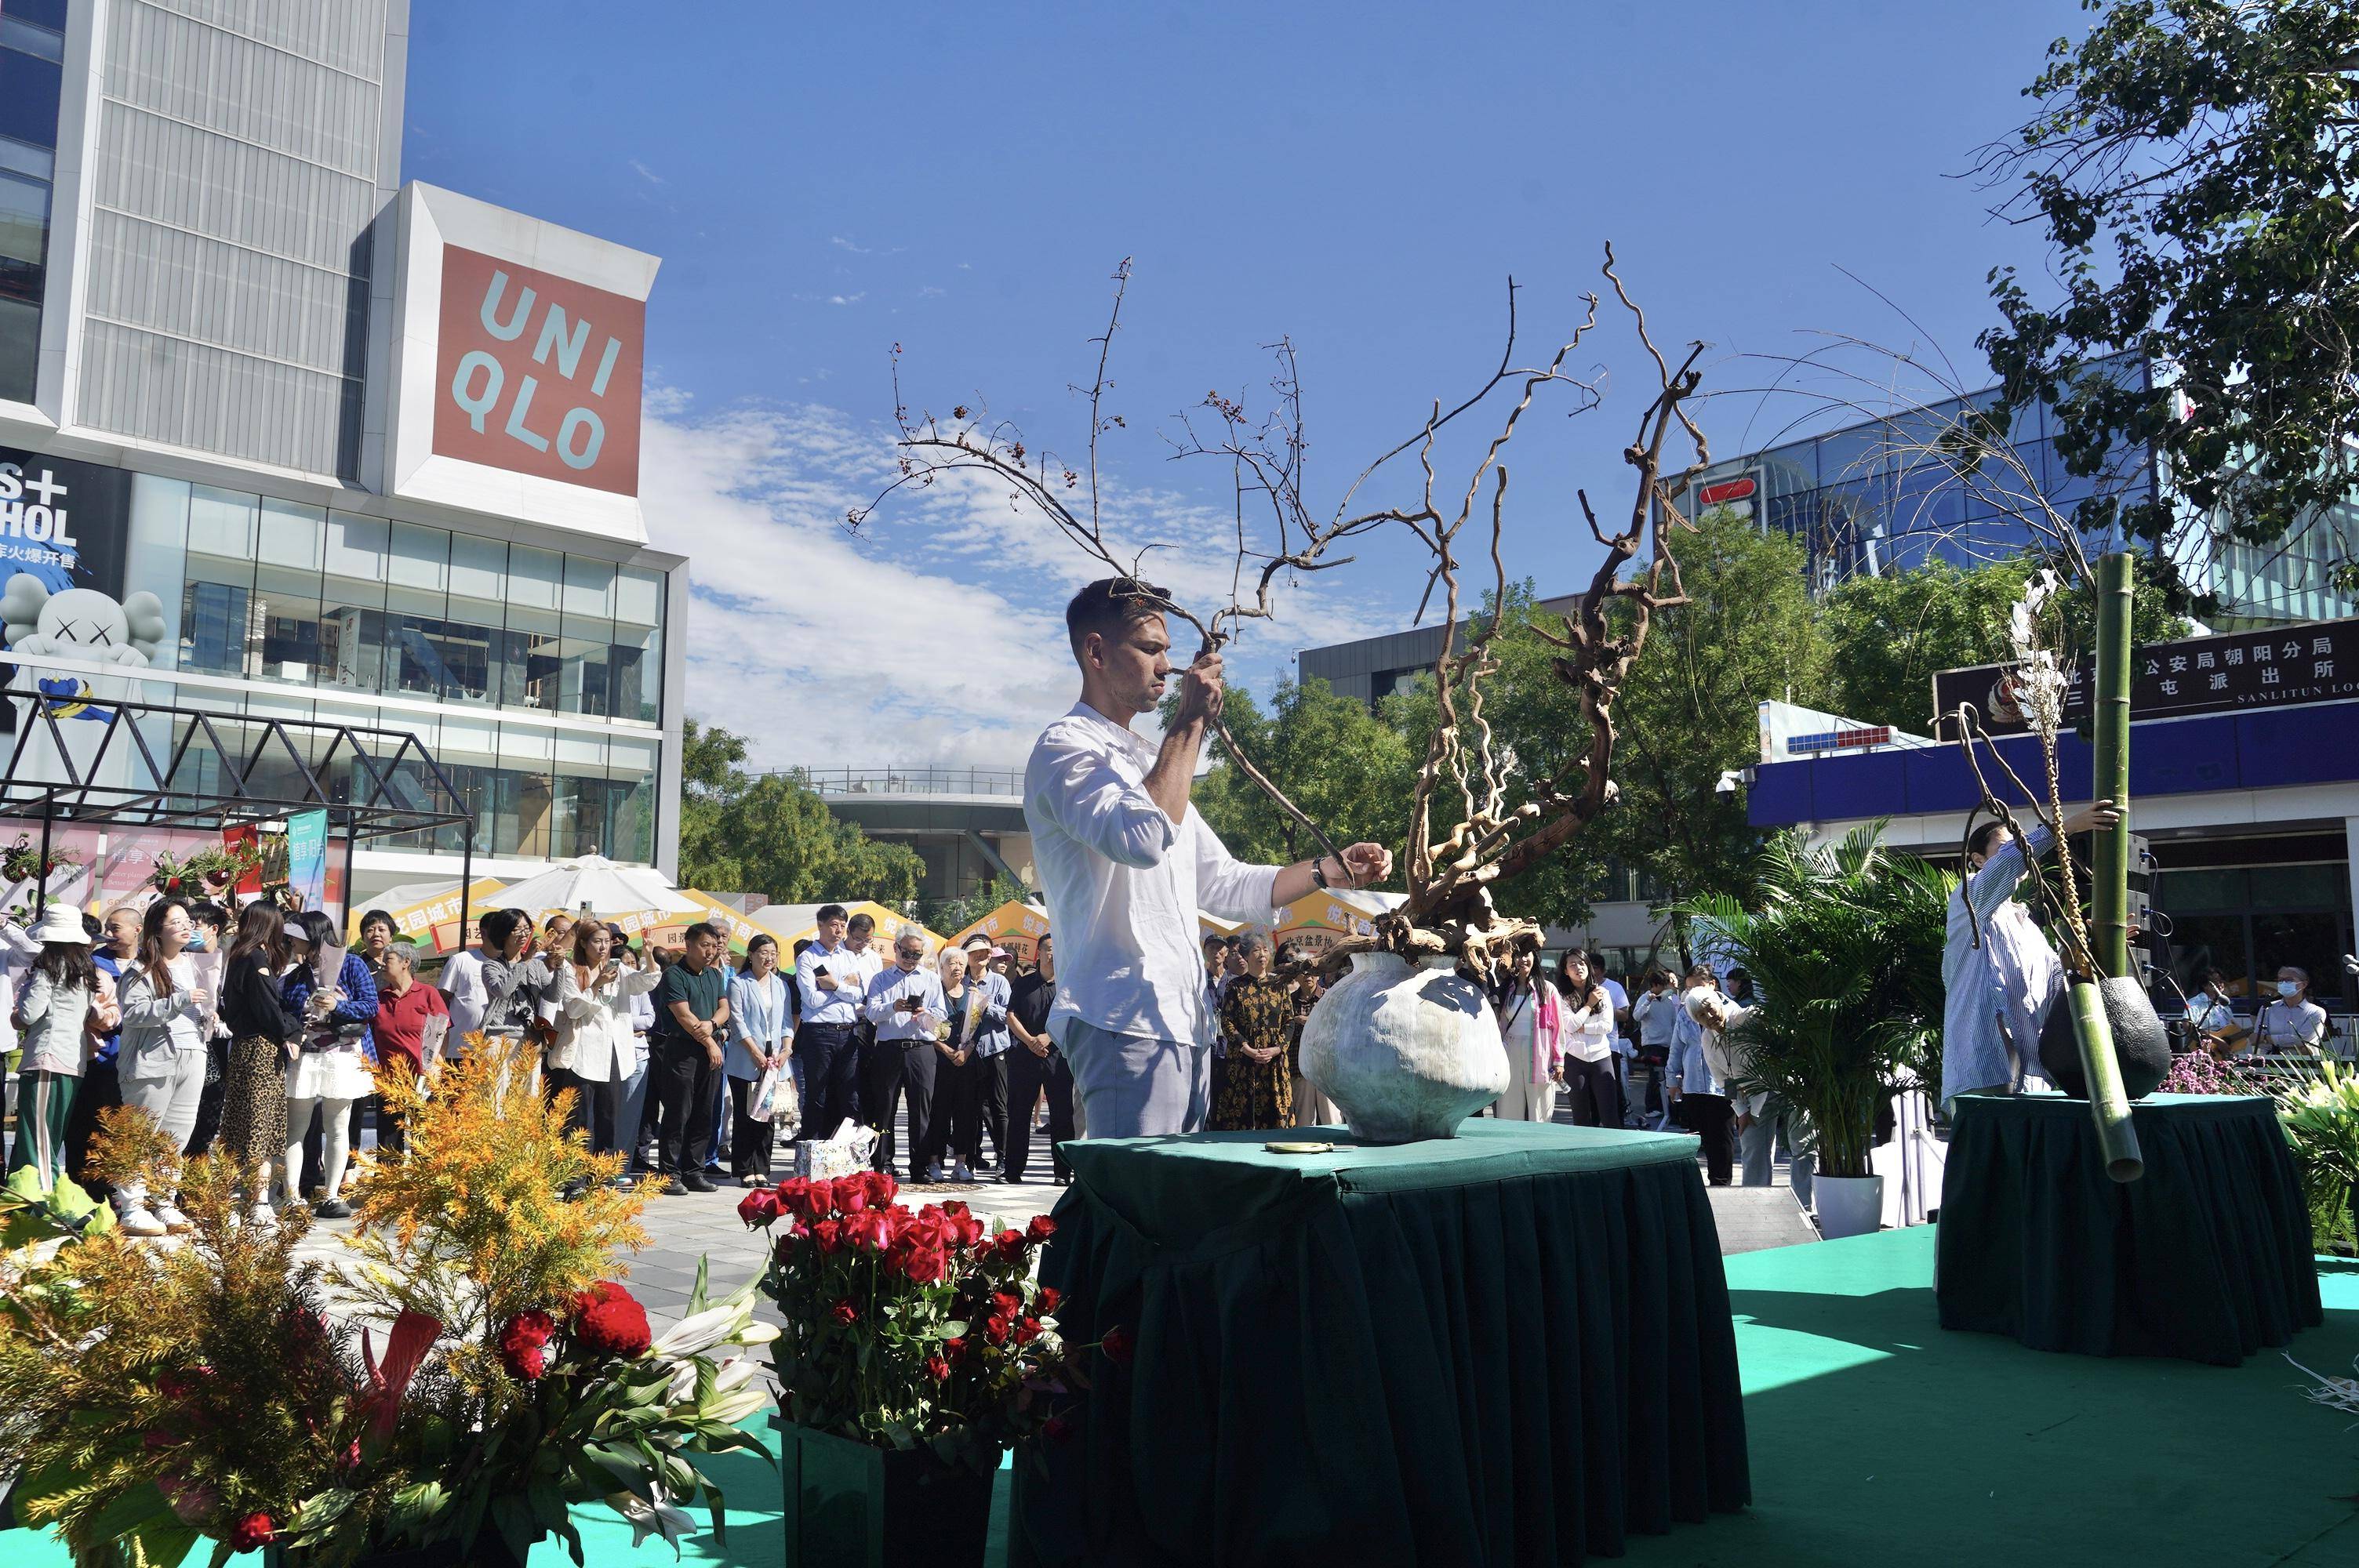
(1319,874)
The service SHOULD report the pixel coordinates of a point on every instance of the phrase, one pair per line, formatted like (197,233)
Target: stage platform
(1876,1438)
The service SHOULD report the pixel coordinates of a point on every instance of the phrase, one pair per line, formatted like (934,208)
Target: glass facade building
(32,65)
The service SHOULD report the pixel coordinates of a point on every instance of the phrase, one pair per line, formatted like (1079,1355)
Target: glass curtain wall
(32,56)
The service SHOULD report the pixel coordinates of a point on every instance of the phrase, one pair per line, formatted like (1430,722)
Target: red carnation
(844,1313)
(524,1344)
(1041,1229)
(1048,1299)
(254,1529)
(609,1320)
(1118,1344)
(758,1207)
(937,1368)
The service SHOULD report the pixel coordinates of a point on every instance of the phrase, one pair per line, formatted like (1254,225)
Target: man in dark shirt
(1033,1065)
(685,1056)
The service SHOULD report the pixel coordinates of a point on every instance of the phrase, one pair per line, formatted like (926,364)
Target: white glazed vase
(1404,1052)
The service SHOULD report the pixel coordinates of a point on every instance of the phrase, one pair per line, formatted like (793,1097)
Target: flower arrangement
(2200,1073)
(911,1329)
(21,863)
(2321,1118)
(203,872)
(481,1374)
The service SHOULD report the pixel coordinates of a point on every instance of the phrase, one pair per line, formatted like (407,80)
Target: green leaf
(129,1510)
(414,1508)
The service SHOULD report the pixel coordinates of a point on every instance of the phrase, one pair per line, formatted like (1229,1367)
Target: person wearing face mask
(2293,1022)
(2211,1022)
(2000,974)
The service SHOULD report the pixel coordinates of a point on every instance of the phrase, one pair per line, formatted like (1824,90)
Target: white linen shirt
(1124,884)
(594,1026)
(2001,987)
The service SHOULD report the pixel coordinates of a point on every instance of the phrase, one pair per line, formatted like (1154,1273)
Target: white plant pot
(1848,1206)
(1405,1053)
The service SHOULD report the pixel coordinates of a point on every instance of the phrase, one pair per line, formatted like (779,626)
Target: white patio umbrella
(608,888)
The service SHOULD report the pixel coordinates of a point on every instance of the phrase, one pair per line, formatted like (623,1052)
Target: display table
(1511,1346)
(2207,1257)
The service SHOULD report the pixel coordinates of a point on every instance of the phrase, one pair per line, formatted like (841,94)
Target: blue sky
(825,181)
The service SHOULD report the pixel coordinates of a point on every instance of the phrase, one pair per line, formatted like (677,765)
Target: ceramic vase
(2141,1044)
(1406,1052)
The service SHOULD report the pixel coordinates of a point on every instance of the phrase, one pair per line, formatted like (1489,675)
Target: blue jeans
(630,1113)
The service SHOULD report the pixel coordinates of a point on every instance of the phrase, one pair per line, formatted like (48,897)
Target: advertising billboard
(537,374)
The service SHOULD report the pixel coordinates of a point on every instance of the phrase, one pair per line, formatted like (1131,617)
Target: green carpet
(1877,1438)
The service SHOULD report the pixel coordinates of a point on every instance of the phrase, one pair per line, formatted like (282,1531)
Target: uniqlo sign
(537,374)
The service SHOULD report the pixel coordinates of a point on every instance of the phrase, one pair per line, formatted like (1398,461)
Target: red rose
(1041,1229)
(867,1228)
(1056,1428)
(844,1313)
(882,1188)
(926,1265)
(851,1197)
(954,1207)
(821,1200)
(955,1347)
(758,1207)
(829,1234)
(1005,1304)
(524,1344)
(1118,1344)
(937,1368)
(995,1330)
(1028,1330)
(254,1529)
(609,1320)
(1048,1299)
(794,1194)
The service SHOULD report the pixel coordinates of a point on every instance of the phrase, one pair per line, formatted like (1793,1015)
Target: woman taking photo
(165,1016)
(1589,1076)
(593,1052)
(262,1035)
(63,1003)
(1531,1024)
(331,1070)
(1256,1090)
(759,1032)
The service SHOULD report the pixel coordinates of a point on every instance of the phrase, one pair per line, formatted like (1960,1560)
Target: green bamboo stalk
(2116,1137)
(2110,875)
(2110,868)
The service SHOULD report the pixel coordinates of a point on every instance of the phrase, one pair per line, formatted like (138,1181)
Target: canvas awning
(1014,925)
(427,913)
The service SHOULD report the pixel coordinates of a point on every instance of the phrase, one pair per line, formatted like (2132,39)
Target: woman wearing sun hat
(64,996)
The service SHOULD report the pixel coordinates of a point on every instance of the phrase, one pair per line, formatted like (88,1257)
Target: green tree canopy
(741,832)
(1343,765)
(2195,165)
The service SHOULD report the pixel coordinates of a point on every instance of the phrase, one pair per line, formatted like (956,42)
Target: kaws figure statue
(75,624)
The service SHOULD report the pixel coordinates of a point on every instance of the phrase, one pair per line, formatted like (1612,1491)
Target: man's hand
(1199,691)
(825,982)
(1364,865)
(2098,819)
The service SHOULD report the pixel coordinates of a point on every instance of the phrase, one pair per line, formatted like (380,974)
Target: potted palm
(1845,947)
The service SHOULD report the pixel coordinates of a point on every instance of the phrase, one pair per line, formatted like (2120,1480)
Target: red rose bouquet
(908,1328)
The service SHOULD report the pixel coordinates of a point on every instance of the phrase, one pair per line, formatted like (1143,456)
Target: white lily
(757,1333)
(735,1373)
(647,1518)
(731,1408)
(682,1384)
(695,1334)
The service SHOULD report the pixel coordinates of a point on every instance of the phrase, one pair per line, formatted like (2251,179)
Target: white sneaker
(173,1220)
(134,1220)
(962,1173)
(262,1214)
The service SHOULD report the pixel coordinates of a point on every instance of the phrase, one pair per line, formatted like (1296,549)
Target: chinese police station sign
(2274,668)
(537,374)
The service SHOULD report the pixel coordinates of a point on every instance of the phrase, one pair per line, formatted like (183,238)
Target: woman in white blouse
(593,1052)
(1588,1011)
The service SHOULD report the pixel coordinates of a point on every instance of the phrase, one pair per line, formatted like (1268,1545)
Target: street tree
(769,833)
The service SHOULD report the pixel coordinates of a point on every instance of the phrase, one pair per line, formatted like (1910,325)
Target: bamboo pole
(2110,868)
(2116,1137)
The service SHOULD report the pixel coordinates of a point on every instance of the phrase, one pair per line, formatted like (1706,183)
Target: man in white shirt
(1126,865)
(831,982)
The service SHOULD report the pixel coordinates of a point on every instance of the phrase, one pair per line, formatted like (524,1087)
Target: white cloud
(936,635)
(643,172)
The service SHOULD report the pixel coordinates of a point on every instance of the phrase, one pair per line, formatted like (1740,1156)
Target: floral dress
(1259,1013)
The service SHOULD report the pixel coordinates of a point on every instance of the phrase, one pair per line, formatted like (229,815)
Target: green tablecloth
(1512,1347)
(2207,1257)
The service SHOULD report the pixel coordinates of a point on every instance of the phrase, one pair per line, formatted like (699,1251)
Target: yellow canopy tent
(1014,925)
(1317,921)
(1208,927)
(428,913)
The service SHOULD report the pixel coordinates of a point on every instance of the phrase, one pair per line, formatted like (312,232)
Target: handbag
(763,1102)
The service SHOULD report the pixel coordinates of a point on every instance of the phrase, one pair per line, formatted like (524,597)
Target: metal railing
(1008,782)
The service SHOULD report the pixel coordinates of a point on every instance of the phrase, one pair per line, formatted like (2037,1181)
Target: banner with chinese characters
(2279,668)
(306,858)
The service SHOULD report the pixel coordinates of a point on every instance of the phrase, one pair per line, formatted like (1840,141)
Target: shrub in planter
(917,1349)
(501,1375)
